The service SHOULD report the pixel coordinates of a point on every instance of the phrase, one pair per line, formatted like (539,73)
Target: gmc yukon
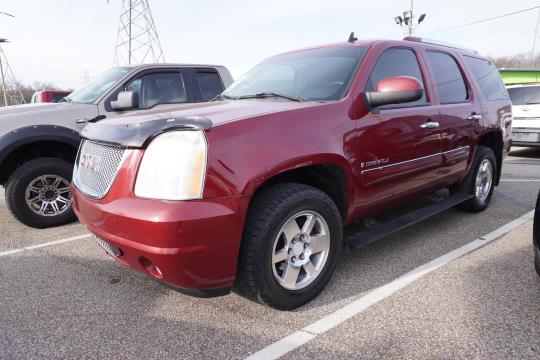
(251,192)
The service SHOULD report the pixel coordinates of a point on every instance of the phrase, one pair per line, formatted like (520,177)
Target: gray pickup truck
(39,142)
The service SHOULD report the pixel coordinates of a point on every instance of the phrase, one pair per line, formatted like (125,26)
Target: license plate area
(526,136)
(109,249)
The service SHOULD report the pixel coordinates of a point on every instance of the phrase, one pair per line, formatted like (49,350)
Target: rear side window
(488,78)
(210,84)
(448,78)
(526,95)
(396,62)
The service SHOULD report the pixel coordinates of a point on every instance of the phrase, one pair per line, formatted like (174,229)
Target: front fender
(9,142)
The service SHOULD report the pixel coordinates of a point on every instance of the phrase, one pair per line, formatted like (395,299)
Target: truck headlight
(173,167)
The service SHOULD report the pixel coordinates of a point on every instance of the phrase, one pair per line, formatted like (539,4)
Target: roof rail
(436,42)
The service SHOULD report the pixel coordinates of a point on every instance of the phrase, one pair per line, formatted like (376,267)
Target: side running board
(355,237)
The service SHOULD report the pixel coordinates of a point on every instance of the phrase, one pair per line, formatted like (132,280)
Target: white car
(526,114)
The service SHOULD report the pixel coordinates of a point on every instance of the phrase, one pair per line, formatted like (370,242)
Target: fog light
(150,268)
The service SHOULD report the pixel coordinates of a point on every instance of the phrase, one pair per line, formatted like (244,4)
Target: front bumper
(192,246)
(528,137)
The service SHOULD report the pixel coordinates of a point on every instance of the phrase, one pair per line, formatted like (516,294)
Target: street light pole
(411,19)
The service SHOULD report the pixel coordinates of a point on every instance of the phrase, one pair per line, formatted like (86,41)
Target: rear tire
(36,193)
(271,241)
(480,181)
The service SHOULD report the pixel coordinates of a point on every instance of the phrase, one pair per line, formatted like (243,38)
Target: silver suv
(39,142)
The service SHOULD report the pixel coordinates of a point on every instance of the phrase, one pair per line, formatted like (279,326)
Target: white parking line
(50,243)
(310,332)
(520,180)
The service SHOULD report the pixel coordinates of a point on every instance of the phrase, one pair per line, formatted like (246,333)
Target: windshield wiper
(66,99)
(223,96)
(269,94)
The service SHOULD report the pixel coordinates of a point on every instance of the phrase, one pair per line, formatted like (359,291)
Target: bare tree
(517,61)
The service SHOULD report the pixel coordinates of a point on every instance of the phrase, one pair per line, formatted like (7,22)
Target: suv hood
(218,112)
(135,130)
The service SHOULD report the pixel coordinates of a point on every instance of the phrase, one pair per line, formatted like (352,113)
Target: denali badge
(374,162)
(90,162)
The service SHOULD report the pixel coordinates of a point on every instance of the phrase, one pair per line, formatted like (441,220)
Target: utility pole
(407,21)
(10,87)
(4,90)
(137,41)
(535,36)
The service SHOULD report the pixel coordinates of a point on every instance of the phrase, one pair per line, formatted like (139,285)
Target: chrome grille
(96,167)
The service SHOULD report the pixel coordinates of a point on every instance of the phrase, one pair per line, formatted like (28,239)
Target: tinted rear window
(526,95)
(448,78)
(488,78)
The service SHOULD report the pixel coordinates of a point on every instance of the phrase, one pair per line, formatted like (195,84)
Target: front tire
(480,181)
(37,193)
(292,240)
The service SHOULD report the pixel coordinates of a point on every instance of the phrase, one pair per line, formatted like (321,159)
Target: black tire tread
(17,206)
(467,186)
(264,207)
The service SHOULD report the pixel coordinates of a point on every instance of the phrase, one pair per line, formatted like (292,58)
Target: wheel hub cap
(48,195)
(300,250)
(484,180)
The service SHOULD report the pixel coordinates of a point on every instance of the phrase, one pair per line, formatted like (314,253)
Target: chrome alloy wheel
(48,195)
(300,250)
(484,180)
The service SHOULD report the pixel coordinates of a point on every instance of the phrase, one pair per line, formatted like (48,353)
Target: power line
(481,21)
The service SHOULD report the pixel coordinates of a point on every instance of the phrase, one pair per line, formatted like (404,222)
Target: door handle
(430,125)
(474,117)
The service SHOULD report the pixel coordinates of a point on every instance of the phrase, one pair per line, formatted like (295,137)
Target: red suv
(251,191)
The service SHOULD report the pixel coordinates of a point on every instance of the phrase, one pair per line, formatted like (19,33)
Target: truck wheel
(480,181)
(292,239)
(37,193)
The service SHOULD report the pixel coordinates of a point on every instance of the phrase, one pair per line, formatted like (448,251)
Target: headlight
(173,167)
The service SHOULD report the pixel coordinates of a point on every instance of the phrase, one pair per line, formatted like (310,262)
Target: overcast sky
(58,40)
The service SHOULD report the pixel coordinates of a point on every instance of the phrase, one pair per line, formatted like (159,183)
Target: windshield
(309,75)
(525,95)
(99,85)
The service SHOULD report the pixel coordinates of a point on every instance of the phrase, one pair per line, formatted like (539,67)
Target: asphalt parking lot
(69,300)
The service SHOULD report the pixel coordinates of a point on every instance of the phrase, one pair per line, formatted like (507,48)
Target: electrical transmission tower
(137,41)
(11,91)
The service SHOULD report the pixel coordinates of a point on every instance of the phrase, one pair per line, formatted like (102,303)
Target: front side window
(448,78)
(397,62)
(158,88)
(98,86)
(526,95)
(209,83)
(488,78)
(322,74)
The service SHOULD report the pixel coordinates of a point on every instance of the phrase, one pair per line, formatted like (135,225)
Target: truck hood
(17,116)
(135,131)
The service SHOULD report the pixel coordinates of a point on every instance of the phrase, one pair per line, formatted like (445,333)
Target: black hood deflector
(139,134)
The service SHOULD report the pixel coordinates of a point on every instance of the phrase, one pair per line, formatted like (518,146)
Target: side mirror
(126,100)
(395,90)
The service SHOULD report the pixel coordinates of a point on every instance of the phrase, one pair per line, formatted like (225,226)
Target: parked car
(252,190)
(49,96)
(536,236)
(39,142)
(526,110)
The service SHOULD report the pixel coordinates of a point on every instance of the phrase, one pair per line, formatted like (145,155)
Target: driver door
(399,147)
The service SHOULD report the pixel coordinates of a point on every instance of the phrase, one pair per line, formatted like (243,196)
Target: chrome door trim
(379,168)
